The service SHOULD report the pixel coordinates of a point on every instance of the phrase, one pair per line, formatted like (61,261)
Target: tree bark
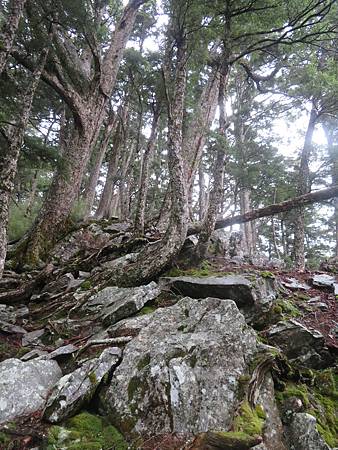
(144,176)
(215,197)
(104,207)
(288,205)
(329,129)
(9,30)
(89,195)
(89,113)
(248,227)
(9,159)
(302,188)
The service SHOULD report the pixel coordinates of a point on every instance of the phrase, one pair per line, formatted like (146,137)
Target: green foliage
(85,431)
(249,421)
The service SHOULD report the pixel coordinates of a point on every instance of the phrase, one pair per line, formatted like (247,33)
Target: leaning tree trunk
(89,113)
(302,188)
(156,257)
(89,194)
(215,197)
(144,177)
(9,29)
(330,127)
(8,161)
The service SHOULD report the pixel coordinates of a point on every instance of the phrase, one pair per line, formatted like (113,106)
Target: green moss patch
(85,432)
(249,420)
(319,399)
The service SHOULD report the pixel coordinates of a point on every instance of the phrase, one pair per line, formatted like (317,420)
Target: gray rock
(295,285)
(254,295)
(24,386)
(9,314)
(303,434)
(77,388)
(36,353)
(10,328)
(63,351)
(113,303)
(298,342)
(181,373)
(273,438)
(324,280)
(32,338)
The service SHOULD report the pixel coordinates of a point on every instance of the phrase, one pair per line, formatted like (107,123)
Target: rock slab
(24,386)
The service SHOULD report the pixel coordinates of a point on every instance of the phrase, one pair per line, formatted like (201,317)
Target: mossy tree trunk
(14,136)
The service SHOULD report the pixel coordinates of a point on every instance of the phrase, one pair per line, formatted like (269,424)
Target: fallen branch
(303,200)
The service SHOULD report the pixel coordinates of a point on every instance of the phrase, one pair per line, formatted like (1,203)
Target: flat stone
(295,285)
(182,371)
(113,303)
(11,329)
(236,288)
(36,353)
(63,351)
(32,338)
(77,388)
(24,386)
(324,280)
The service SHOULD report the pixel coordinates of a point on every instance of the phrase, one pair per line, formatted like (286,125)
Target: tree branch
(303,200)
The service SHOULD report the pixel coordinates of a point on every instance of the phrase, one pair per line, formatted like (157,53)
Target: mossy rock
(249,421)
(85,432)
(229,440)
(320,399)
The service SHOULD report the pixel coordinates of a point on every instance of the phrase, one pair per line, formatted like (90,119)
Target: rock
(232,287)
(11,329)
(113,303)
(219,243)
(213,440)
(77,388)
(303,434)
(118,263)
(299,343)
(254,295)
(24,386)
(32,338)
(273,438)
(295,285)
(326,281)
(63,351)
(10,314)
(181,373)
(36,353)
(127,327)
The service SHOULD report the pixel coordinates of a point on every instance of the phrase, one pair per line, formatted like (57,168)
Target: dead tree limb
(287,205)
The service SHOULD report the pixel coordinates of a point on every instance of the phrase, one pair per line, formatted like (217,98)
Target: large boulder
(24,386)
(114,303)
(182,371)
(303,434)
(77,388)
(299,343)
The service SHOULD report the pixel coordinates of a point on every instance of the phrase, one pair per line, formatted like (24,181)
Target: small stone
(32,338)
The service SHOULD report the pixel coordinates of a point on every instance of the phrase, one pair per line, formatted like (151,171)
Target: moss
(85,432)
(229,439)
(92,377)
(267,274)
(288,308)
(4,439)
(144,362)
(249,421)
(86,285)
(320,399)
(146,310)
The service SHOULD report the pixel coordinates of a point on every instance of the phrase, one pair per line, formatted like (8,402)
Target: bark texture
(9,29)
(302,188)
(9,157)
(88,110)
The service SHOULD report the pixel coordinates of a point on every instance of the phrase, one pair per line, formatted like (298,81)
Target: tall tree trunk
(8,160)
(332,147)
(156,257)
(302,188)
(247,228)
(89,194)
(215,197)
(89,113)
(9,29)
(144,176)
(104,207)
(201,194)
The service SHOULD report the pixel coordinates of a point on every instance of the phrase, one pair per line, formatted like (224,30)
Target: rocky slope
(228,355)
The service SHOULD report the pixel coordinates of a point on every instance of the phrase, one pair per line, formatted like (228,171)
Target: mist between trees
(163,114)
